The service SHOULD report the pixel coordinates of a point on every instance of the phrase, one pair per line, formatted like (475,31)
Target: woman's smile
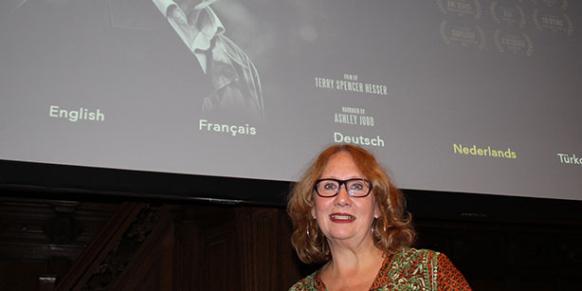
(341,217)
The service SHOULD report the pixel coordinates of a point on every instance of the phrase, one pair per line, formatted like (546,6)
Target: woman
(346,212)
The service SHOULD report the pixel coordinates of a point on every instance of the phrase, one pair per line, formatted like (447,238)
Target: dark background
(69,239)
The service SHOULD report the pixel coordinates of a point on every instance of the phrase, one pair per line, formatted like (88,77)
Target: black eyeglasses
(355,187)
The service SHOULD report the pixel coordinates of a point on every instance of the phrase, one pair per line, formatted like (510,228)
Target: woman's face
(343,218)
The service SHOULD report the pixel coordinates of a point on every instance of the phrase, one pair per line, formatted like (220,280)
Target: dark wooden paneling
(40,239)
(509,256)
(81,245)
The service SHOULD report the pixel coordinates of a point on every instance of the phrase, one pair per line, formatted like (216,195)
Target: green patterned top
(409,269)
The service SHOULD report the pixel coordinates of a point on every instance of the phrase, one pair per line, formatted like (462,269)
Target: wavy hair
(392,231)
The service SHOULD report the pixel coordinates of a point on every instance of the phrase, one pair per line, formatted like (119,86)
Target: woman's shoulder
(412,267)
(412,256)
(413,259)
(306,284)
(418,252)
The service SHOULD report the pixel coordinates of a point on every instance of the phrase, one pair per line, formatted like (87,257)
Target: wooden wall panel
(84,245)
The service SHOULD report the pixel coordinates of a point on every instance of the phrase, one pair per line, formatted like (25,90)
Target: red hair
(392,230)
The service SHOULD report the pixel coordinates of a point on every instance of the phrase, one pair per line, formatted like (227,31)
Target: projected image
(476,96)
(234,77)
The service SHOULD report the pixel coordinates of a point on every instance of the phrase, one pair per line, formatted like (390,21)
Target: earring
(307,231)
(374,227)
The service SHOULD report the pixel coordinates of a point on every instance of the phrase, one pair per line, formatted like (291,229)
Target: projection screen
(471,96)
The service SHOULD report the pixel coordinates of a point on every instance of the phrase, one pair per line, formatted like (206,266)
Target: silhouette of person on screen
(233,76)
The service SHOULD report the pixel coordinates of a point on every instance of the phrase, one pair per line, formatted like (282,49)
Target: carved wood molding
(150,265)
(97,259)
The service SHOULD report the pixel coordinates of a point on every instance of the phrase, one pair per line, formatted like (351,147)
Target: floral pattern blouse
(409,269)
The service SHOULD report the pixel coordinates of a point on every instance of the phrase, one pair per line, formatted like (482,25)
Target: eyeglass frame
(345,184)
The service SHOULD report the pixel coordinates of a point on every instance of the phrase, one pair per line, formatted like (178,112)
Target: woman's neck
(352,267)
(353,275)
(346,261)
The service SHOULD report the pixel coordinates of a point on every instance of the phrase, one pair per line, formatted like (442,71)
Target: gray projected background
(466,96)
